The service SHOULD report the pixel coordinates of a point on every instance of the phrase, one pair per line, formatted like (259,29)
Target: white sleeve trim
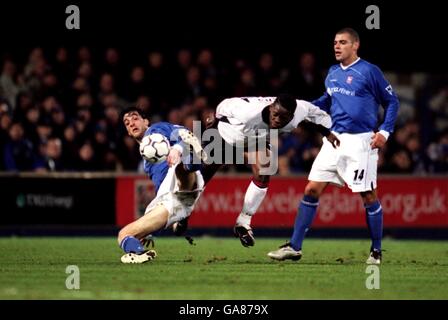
(178,147)
(385,134)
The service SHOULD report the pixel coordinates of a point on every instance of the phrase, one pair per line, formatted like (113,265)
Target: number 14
(361,175)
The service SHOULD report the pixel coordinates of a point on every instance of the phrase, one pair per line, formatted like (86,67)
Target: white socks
(252,200)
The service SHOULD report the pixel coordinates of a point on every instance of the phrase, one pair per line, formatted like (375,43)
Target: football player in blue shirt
(178,184)
(355,89)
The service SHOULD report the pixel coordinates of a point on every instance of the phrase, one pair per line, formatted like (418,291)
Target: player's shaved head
(281,111)
(351,32)
(286,101)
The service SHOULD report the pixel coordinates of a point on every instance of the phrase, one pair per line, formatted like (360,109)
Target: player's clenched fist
(378,140)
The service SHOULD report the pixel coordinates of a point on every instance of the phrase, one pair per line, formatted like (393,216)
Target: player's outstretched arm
(315,114)
(331,137)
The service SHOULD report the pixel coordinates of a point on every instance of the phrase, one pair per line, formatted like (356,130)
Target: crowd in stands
(60,109)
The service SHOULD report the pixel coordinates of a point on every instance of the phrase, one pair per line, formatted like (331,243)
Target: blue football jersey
(353,96)
(157,172)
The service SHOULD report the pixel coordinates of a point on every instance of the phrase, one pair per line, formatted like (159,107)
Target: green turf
(34,268)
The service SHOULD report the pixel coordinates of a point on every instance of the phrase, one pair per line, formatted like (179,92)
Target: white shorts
(179,204)
(353,162)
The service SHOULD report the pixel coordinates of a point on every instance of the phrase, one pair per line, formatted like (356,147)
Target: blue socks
(304,218)
(131,244)
(374,217)
(307,211)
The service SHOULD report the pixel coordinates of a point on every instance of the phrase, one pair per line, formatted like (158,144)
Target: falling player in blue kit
(355,89)
(178,183)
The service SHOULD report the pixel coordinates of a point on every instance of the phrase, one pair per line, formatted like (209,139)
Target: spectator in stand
(158,81)
(246,86)
(51,159)
(18,153)
(128,154)
(438,154)
(24,102)
(194,87)
(178,75)
(144,103)
(136,85)
(9,88)
(267,76)
(63,67)
(84,55)
(305,80)
(87,159)
(400,162)
(5,123)
(70,148)
(175,116)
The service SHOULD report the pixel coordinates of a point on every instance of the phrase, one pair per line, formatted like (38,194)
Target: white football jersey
(245,119)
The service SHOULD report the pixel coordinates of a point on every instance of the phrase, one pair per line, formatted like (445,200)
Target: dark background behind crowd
(59,108)
(61,91)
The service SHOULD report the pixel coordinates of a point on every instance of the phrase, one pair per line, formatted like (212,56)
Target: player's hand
(333,140)
(173,157)
(378,141)
(211,122)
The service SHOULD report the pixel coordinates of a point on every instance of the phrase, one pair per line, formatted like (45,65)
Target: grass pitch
(218,268)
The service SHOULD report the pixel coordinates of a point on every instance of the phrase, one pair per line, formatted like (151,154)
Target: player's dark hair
(133,109)
(286,101)
(352,32)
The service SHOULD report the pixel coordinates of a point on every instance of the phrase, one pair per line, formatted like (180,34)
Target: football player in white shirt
(243,123)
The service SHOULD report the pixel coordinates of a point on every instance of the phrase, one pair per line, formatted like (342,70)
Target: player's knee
(312,191)
(369,197)
(261,181)
(123,233)
(186,180)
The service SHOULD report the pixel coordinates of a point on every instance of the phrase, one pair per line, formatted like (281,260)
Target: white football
(154,148)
